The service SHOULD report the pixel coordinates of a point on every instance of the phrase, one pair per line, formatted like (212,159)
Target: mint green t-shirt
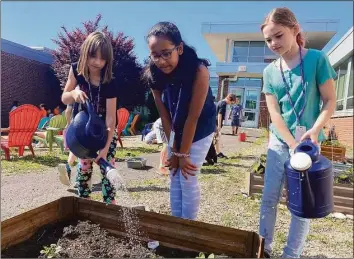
(317,70)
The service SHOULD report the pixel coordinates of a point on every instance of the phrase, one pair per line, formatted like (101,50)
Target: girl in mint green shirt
(299,90)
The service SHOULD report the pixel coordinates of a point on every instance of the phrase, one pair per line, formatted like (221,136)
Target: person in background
(43,109)
(56,110)
(158,136)
(221,112)
(235,113)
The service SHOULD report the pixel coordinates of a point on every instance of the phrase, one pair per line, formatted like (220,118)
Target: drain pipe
(233,79)
(222,88)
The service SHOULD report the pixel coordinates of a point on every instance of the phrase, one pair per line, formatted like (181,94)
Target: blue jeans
(278,153)
(185,193)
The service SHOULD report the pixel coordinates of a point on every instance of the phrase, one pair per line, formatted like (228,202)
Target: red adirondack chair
(122,118)
(24,122)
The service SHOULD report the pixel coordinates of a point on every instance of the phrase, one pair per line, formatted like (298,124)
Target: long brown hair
(285,17)
(96,41)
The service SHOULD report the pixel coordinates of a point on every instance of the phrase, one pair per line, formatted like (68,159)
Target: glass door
(251,109)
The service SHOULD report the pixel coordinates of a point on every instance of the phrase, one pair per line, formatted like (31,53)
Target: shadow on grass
(148,188)
(244,157)
(212,170)
(316,256)
(234,165)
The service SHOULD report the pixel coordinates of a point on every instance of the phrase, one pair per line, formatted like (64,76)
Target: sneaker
(221,155)
(64,174)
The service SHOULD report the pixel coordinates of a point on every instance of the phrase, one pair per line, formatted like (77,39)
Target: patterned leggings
(84,174)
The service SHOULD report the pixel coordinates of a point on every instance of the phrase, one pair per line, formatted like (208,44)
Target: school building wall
(27,77)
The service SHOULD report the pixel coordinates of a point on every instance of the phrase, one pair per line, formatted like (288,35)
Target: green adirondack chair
(47,137)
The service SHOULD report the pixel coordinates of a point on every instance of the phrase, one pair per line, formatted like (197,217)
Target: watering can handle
(91,122)
(308,147)
(89,106)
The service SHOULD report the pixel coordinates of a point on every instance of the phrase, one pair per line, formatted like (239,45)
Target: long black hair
(187,65)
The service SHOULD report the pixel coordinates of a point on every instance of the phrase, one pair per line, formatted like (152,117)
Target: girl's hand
(311,134)
(187,167)
(172,163)
(79,96)
(102,154)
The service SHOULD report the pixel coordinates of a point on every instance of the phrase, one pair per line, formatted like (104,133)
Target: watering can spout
(111,173)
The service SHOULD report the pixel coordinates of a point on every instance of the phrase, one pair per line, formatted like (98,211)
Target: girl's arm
(328,96)
(199,94)
(70,94)
(165,116)
(277,119)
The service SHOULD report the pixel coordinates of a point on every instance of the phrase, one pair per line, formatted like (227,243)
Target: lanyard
(170,104)
(287,88)
(98,97)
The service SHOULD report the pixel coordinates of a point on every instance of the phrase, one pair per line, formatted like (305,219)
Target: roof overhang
(317,33)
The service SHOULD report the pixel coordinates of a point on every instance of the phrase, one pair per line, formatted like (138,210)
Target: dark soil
(83,239)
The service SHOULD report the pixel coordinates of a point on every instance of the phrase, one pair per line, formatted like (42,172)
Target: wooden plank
(248,183)
(257,189)
(193,235)
(158,229)
(344,210)
(258,179)
(343,190)
(164,233)
(258,247)
(343,201)
(19,228)
(66,207)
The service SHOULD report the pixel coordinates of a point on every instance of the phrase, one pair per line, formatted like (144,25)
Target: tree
(126,69)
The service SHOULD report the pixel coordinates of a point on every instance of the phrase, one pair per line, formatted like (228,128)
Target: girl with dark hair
(180,85)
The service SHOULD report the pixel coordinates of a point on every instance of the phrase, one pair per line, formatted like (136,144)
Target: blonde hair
(96,41)
(285,17)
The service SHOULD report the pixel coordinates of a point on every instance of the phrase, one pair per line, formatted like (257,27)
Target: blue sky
(36,23)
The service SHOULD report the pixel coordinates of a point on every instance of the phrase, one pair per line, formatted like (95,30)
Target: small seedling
(51,251)
(202,255)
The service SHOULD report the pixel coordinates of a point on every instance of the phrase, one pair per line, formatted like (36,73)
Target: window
(240,52)
(344,85)
(252,51)
(256,51)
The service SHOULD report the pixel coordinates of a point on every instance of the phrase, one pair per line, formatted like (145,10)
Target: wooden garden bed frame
(343,193)
(168,230)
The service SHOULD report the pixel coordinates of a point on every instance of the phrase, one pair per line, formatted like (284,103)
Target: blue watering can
(309,182)
(86,135)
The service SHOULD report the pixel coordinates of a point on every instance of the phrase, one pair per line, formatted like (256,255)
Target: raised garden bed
(342,189)
(58,223)
(334,153)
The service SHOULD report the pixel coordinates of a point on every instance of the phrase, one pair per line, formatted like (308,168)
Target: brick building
(341,58)
(27,77)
